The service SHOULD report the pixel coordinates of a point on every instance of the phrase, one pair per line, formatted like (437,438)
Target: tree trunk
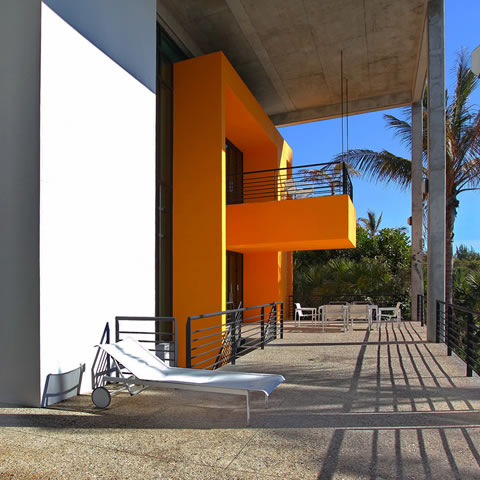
(451,213)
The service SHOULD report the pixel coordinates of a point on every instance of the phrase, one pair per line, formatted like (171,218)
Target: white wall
(97,196)
(125,30)
(19,199)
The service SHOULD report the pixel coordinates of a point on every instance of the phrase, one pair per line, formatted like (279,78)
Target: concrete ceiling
(288,51)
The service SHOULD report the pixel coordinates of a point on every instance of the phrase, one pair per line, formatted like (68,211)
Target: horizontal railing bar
(144,333)
(203,345)
(205,352)
(223,332)
(217,334)
(286,168)
(457,307)
(144,319)
(237,310)
(204,361)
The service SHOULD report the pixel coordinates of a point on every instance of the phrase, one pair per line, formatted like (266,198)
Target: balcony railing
(231,334)
(289,183)
(459,329)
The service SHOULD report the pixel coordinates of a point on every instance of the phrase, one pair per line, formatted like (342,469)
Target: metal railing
(231,334)
(159,332)
(459,328)
(289,183)
(421,309)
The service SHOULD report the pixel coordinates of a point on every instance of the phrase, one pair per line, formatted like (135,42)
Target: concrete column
(417,206)
(19,202)
(436,162)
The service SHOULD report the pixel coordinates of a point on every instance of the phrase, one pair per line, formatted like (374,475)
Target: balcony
(297,208)
(290,183)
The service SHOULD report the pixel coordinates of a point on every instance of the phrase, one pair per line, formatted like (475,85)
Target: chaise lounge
(144,369)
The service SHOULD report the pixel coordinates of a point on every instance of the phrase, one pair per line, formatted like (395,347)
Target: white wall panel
(97,196)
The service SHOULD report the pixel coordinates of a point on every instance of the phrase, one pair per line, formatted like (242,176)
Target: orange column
(198,191)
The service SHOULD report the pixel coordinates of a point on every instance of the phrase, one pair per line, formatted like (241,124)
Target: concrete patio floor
(355,405)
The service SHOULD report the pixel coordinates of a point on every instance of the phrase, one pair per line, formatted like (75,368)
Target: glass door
(234,280)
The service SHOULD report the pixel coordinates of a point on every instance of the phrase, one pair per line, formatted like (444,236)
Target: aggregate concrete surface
(355,405)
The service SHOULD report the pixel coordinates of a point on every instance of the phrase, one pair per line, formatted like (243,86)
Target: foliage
(466,277)
(378,268)
(371,223)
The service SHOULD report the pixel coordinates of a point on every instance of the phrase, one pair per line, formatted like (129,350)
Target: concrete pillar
(417,206)
(436,162)
(19,202)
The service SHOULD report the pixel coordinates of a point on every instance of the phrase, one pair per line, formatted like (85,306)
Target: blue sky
(319,142)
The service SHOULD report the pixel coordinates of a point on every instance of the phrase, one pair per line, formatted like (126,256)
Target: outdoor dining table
(348,313)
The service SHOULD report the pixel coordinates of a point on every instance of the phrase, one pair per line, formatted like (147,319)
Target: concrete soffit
(177,32)
(245,24)
(289,56)
(326,112)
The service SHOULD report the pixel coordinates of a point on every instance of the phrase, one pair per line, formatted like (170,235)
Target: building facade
(132,153)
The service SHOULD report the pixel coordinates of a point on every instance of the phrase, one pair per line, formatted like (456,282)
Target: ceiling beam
(324,112)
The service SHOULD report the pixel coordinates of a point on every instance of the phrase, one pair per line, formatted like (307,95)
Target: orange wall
(260,278)
(265,275)
(303,224)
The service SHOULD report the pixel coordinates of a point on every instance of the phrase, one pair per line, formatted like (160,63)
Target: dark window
(167,54)
(234,160)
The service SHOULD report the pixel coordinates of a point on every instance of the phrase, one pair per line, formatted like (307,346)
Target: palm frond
(459,112)
(382,166)
(401,129)
(469,176)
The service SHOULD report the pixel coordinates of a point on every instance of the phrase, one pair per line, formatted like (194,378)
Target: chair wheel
(101,397)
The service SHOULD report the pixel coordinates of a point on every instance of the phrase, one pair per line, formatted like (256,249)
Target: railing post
(447,330)
(275,187)
(117,334)
(188,344)
(262,328)
(437,316)
(281,320)
(175,343)
(419,310)
(275,319)
(233,336)
(470,346)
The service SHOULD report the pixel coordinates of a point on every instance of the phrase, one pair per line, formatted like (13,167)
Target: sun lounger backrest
(137,359)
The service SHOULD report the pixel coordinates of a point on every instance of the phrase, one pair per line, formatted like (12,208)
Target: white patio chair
(305,313)
(334,313)
(361,311)
(296,190)
(390,314)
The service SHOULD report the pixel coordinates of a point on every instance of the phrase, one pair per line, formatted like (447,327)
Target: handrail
(459,328)
(289,183)
(230,338)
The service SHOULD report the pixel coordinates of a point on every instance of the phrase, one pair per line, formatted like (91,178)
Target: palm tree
(371,223)
(462,155)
